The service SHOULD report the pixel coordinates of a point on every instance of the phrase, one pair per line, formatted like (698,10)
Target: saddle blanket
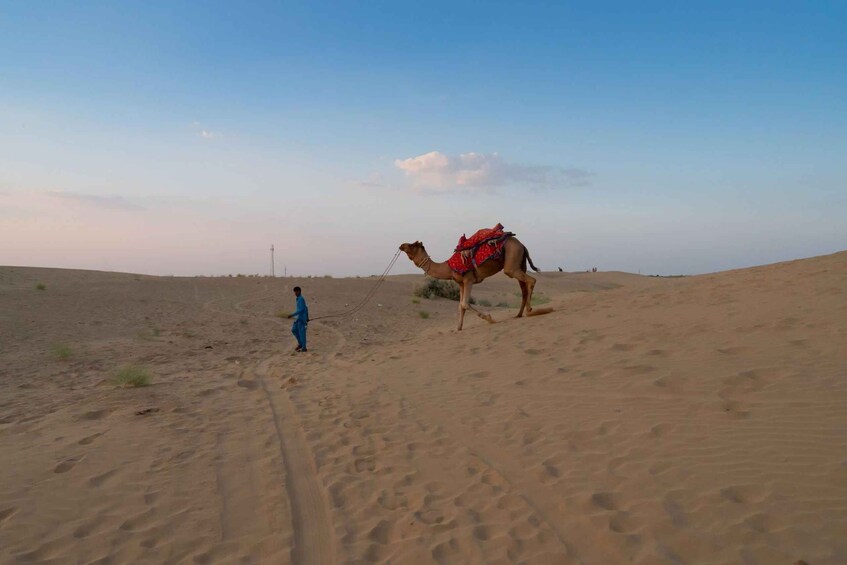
(473,251)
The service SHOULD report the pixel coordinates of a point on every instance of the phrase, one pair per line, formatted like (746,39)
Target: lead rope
(367,297)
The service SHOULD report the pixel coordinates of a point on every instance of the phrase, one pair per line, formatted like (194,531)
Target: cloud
(202,131)
(375,180)
(483,172)
(112,202)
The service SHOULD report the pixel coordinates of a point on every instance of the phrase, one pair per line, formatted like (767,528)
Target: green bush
(439,288)
(40,286)
(62,352)
(132,376)
(485,302)
(423,314)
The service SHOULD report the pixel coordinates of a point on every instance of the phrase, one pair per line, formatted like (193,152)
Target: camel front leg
(461,307)
(466,302)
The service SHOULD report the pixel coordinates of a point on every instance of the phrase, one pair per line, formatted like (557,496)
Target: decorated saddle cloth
(475,250)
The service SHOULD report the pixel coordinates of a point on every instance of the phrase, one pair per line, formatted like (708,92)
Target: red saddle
(475,250)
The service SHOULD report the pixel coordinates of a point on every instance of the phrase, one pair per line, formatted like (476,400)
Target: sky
(184,138)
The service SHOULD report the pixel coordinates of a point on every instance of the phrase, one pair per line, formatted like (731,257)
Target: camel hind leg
(527,284)
(523,298)
(530,285)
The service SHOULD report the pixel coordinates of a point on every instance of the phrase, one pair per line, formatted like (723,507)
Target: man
(301,320)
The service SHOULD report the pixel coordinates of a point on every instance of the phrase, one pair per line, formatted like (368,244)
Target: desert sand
(646,420)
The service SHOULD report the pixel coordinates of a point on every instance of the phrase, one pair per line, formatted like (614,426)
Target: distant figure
(301,320)
(594,270)
(560,270)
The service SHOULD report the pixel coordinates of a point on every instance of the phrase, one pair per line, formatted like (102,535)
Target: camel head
(412,250)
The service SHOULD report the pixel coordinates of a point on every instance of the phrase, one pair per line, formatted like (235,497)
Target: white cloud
(375,180)
(202,131)
(483,172)
(112,202)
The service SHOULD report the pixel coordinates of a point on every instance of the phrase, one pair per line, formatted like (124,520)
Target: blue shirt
(301,314)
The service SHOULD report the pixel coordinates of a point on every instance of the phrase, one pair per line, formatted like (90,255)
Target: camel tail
(528,258)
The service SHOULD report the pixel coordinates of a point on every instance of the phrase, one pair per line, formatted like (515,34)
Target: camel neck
(433,269)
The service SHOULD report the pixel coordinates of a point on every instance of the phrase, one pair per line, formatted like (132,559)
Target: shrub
(62,352)
(439,288)
(416,301)
(40,286)
(423,314)
(132,376)
(484,302)
(502,304)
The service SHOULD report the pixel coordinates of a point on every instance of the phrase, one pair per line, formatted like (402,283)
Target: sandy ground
(646,420)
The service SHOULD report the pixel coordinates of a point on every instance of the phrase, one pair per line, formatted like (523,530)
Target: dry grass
(132,376)
(62,352)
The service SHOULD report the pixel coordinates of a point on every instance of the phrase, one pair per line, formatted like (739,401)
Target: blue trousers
(299,331)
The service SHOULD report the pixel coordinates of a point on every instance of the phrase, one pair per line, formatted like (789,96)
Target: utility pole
(273,267)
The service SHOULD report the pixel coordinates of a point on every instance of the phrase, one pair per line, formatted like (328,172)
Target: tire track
(314,540)
(313,533)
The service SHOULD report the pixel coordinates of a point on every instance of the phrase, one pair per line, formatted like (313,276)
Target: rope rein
(423,262)
(367,297)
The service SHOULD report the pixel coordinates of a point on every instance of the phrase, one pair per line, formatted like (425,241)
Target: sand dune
(646,420)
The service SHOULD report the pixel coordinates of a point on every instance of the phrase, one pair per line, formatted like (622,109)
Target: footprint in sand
(622,522)
(743,494)
(361,465)
(733,350)
(100,479)
(381,533)
(67,465)
(661,430)
(761,523)
(744,382)
(735,409)
(606,500)
(675,512)
(89,439)
(96,414)
(671,383)
(7,513)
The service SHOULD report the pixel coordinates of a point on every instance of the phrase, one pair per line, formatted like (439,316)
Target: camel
(512,261)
